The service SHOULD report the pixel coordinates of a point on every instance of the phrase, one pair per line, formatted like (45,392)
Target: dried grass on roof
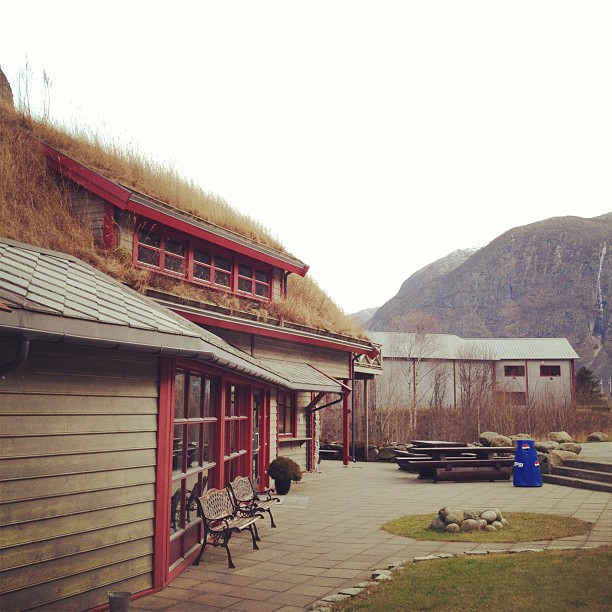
(35,210)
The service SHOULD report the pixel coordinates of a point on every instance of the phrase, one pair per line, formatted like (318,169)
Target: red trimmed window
(199,264)
(550,370)
(253,281)
(514,370)
(287,421)
(162,252)
(211,269)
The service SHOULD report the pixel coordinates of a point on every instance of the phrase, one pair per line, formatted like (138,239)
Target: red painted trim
(220,456)
(161,538)
(283,334)
(94,182)
(346,411)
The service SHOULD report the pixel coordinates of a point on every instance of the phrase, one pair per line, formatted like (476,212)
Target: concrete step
(577,483)
(582,474)
(585,464)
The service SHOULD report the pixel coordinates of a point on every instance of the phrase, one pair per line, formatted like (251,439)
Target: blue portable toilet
(526,465)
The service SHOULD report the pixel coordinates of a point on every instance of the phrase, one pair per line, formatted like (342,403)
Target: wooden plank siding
(89,209)
(78,430)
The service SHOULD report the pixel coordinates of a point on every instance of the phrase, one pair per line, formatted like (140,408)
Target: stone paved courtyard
(329,535)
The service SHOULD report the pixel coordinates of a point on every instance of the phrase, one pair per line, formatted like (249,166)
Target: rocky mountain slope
(547,279)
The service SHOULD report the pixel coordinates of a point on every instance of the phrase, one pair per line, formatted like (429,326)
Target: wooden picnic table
(434,443)
(459,463)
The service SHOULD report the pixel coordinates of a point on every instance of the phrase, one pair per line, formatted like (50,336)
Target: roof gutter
(27,335)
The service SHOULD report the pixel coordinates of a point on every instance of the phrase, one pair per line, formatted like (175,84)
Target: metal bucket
(119,601)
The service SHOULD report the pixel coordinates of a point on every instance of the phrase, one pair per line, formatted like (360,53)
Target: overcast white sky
(370,137)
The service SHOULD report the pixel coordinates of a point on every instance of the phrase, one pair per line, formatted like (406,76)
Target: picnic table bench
(221,519)
(459,463)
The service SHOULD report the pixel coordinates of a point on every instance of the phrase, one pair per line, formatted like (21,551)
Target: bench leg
(226,539)
(272,523)
(253,536)
(197,561)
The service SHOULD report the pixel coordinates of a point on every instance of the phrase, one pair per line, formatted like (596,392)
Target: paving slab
(328,539)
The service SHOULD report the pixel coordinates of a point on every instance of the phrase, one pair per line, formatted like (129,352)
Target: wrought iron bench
(249,501)
(221,519)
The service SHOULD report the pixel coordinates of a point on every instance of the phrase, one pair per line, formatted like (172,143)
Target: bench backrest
(242,489)
(216,504)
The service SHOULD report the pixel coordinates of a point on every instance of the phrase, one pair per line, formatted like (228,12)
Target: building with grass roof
(149,351)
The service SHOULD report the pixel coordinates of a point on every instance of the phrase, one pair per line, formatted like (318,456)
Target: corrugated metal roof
(401,345)
(56,296)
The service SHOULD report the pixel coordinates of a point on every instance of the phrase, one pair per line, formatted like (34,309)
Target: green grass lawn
(524,527)
(562,581)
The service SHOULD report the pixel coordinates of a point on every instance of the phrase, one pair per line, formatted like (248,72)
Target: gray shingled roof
(302,375)
(51,295)
(443,346)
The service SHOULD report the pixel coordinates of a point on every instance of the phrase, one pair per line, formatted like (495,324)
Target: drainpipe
(353,424)
(23,349)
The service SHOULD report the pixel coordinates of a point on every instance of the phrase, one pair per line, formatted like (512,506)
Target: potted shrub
(283,470)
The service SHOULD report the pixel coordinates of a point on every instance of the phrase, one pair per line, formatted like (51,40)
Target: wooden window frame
(189,263)
(550,371)
(282,407)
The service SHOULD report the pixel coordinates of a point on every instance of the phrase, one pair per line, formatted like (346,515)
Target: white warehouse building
(441,370)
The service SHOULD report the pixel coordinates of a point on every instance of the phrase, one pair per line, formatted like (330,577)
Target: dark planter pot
(282,486)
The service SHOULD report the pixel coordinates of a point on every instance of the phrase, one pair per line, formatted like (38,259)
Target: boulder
(560,436)
(453,528)
(453,518)
(597,436)
(497,524)
(469,525)
(481,523)
(486,437)
(572,447)
(437,523)
(546,446)
(490,528)
(489,516)
(558,457)
(520,436)
(500,441)
(386,453)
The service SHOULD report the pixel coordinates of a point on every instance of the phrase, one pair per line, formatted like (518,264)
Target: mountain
(363,316)
(552,278)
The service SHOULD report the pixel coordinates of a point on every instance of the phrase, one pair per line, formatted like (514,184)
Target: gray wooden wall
(77,473)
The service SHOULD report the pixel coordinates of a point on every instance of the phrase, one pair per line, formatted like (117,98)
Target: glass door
(193,457)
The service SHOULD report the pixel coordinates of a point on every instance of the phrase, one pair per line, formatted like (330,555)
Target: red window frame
(253,281)
(550,370)
(162,250)
(195,426)
(514,370)
(286,414)
(226,272)
(237,429)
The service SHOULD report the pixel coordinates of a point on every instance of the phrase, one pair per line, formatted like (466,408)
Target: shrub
(284,468)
